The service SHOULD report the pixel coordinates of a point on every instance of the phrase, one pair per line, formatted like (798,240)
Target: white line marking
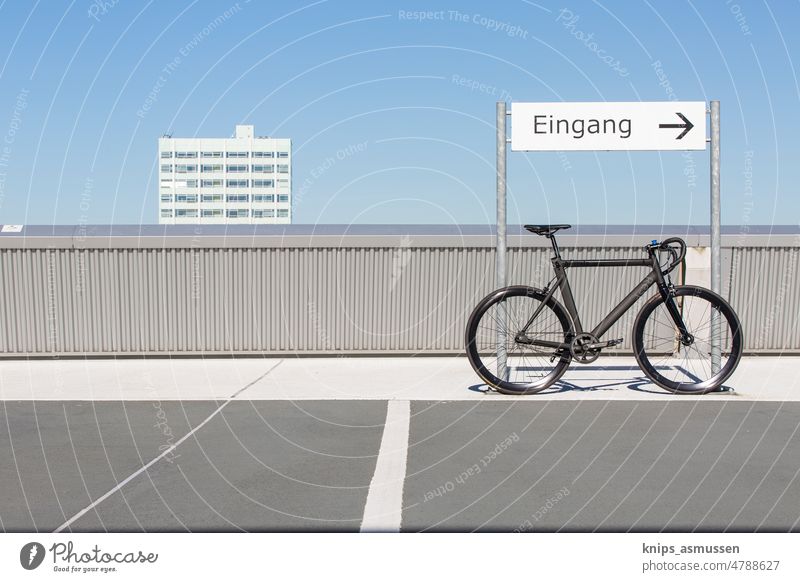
(384,509)
(128,479)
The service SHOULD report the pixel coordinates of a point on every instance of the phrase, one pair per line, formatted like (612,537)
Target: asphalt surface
(525,465)
(605,466)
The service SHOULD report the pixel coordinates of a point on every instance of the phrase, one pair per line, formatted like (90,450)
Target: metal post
(716,275)
(500,258)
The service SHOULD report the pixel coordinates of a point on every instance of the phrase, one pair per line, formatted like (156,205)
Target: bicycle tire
(656,342)
(519,302)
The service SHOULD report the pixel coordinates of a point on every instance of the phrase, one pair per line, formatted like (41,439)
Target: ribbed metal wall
(765,292)
(310,300)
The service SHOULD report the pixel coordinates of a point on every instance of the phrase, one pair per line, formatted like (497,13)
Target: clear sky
(391,112)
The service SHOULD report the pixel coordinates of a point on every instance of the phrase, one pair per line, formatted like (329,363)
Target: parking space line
(384,508)
(144,468)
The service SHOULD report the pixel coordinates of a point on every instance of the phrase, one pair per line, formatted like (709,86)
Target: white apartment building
(239,180)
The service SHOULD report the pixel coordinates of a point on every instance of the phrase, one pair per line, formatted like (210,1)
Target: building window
(212,198)
(185,168)
(166,198)
(186,198)
(283,154)
(239,169)
(262,169)
(265,213)
(185,155)
(263,198)
(263,154)
(263,183)
(166,155)
(237,154)
(211,168)
(238,213)
(212,213)
(283,198)
(185,213)
(283,168)
(211,154)
(237,198)
(166,213)
(211,184)
(191,183)
(237,183)
(166,167)
(283,213)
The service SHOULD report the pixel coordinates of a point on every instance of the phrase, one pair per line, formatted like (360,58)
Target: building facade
(240,180)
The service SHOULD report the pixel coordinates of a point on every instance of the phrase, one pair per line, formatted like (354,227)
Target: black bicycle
(686,339)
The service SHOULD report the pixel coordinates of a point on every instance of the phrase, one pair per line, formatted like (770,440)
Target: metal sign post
(607,126)
(716,275)
(500,261)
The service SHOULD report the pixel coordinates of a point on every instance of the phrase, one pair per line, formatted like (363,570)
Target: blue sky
(391,112)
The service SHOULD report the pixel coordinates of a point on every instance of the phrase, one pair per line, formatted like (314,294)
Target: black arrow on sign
(686,125)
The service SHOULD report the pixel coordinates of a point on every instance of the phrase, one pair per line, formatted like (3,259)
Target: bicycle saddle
(545,229)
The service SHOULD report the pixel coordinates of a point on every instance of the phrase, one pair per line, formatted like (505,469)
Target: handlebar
(666,245)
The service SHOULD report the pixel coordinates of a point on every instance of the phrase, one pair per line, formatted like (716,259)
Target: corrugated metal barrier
(326,299)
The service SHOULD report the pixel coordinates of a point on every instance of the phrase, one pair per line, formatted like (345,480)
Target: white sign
(11,228)
(637,125)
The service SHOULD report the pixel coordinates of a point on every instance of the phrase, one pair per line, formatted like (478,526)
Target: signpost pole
(500,258)
(716,275)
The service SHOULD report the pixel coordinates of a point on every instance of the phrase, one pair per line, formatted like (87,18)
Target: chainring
(579,353)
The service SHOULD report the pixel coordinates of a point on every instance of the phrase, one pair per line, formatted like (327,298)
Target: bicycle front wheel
(702,365)
(514,367)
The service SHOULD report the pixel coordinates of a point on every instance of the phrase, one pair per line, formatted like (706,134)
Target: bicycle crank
(585,348)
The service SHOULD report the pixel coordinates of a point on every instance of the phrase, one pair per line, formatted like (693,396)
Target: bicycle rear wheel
(502,362)
(688,368)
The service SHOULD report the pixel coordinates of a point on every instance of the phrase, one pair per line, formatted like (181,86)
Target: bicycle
(686,339)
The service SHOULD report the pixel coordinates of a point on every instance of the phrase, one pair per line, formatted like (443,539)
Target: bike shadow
(639,383)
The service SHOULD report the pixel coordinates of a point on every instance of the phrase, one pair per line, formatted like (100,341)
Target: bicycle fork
(667,290)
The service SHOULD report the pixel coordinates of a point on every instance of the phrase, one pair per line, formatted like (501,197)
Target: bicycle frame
(560,266)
